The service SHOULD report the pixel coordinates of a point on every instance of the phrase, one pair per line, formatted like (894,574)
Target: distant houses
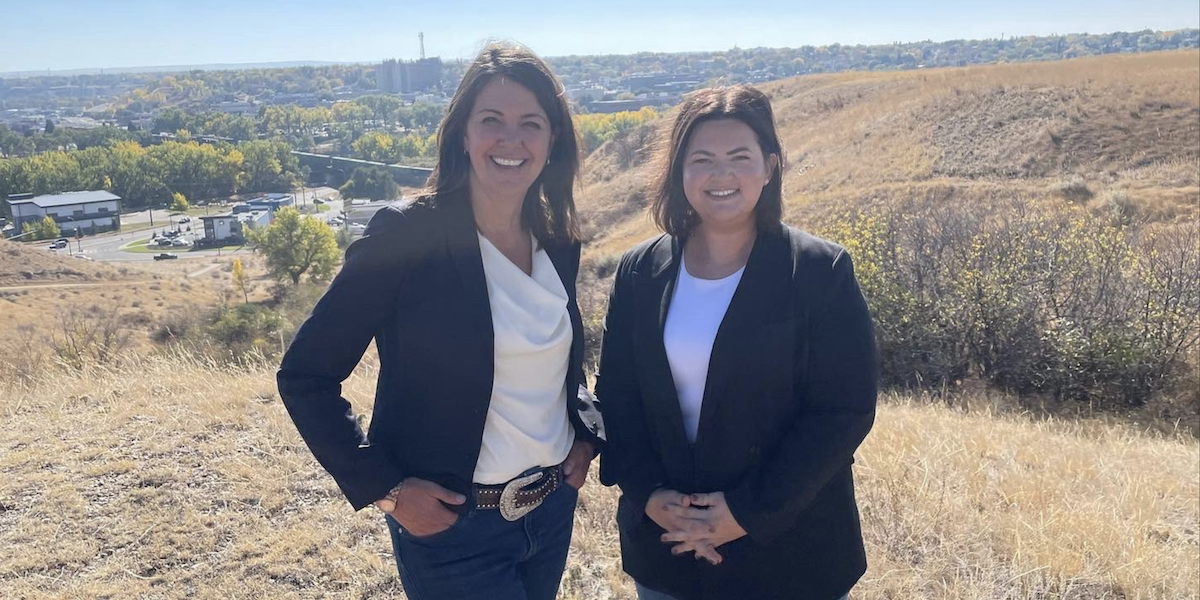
(84,212)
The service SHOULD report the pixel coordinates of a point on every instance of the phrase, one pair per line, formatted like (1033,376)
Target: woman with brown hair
(478,442)
(737,376)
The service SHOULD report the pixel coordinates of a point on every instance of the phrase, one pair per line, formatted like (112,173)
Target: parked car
(185,219)
(165,256)
(163,242)
(180,243)
(59,243)
(358,228)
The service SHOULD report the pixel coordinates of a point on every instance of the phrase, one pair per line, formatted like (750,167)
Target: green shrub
(1034,299)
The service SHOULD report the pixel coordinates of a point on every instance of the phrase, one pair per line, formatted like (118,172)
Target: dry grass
(23,264)
(140,295)
(1122,123)
(169,479)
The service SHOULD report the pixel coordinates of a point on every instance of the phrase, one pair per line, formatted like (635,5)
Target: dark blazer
(790,395)
(415,284)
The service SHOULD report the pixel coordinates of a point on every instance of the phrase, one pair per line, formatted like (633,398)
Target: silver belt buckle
(508,498)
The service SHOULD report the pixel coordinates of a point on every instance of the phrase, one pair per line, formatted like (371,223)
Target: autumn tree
(179,202)
(45,229)
(240,281)
(295,245)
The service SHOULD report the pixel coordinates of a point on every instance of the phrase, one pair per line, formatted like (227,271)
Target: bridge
(333,171)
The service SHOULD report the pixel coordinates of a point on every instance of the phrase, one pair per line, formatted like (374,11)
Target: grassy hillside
(1034,226)
(25,264)
(55,307)
(1114,124)
(167,475)
(172,478)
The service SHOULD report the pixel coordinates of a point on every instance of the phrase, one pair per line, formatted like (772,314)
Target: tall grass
(176,476)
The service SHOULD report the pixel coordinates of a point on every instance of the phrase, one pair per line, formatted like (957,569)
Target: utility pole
(421,36)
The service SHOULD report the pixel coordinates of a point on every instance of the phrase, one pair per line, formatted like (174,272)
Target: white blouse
(527,424)
(697,308)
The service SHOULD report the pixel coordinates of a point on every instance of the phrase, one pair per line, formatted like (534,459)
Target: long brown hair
(668,204)
(549,208)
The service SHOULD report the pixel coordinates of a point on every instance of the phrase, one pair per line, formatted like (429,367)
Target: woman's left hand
(723,527)
(577,463)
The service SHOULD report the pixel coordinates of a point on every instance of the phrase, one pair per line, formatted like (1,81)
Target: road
(107,247)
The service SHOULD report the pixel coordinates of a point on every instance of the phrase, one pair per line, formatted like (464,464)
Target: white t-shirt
(697,308)
(527,424)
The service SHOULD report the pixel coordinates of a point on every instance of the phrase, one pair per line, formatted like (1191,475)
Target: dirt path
(204,270)
(40,286)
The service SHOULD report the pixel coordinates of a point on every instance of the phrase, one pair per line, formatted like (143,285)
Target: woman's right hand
(674,512)
(420,507)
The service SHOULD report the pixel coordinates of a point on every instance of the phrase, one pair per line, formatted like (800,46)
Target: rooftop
(67,198)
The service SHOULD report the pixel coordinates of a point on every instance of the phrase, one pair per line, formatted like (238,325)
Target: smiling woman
(477,444)
(737,375)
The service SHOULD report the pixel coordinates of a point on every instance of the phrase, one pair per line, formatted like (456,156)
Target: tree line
(145,176)
(130,94)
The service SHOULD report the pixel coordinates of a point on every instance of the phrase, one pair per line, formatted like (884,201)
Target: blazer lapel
(463,245)
(663,394)
(748,309)
(565,258)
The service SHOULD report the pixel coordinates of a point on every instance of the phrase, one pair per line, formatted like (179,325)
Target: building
(648,82)
(230,228)
(406,77)
(614,106)
(271,202)
(75,212)
(221,230)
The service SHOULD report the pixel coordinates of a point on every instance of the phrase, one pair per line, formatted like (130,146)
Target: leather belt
(518,497)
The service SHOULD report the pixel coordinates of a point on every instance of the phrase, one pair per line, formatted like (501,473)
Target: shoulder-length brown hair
(668,204)
(549,208)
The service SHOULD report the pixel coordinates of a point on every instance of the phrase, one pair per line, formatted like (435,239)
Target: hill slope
(29,264)
(1126,124)
(164,479)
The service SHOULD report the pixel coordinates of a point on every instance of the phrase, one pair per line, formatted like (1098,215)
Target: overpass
(333,171)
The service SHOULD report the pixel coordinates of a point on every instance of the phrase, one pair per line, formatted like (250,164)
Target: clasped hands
(698,523)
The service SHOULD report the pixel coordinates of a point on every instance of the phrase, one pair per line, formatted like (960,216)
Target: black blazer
(790,395)
(415,284)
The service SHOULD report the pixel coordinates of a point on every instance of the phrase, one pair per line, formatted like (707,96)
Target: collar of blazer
(766,281)
(463,245)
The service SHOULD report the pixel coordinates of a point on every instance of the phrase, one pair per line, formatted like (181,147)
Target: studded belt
(518,497)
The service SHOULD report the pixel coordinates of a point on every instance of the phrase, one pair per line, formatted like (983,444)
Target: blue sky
(69,34)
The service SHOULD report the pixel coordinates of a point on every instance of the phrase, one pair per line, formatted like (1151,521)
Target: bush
(86,338)
(245,328)
(1074,190)
(1119,207)
(45,229)
(1032,299)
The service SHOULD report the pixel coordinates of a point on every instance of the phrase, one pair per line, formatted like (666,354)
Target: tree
(240,281)
(375,183)
(46,229)
(49,127)
(295,245)
(179,202)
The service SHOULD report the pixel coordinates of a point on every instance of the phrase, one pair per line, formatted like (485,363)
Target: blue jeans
(645,593)
(483,556)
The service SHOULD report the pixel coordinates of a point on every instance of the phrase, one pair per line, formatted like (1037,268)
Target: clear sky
(70,34)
